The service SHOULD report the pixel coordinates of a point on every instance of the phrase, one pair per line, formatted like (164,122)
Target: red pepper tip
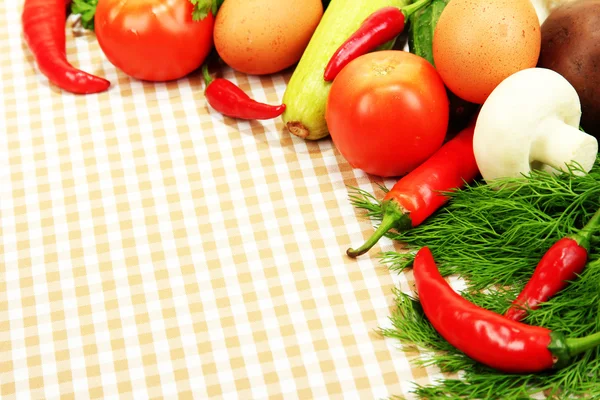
(329,75)
(97,85)
(515,313)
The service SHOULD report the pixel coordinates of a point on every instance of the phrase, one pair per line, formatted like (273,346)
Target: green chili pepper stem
(393,217)
(414,7)
(579,345)
(584,235)
(564,349)
(207,78)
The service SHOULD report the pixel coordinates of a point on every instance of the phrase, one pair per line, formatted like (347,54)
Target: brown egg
(265,36)
(479,43)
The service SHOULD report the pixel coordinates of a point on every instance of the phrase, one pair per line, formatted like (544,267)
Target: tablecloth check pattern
(151,248)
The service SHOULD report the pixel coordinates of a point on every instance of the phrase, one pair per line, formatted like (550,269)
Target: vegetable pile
(490,121)
(306,94)
(499,239)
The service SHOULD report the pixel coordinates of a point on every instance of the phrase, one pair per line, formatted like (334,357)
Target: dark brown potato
(571,47)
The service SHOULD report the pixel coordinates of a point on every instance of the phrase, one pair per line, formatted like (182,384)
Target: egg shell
(479,43)
(261,37)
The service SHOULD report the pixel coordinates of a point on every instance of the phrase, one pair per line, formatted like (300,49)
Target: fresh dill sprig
(498,233)
(493,237)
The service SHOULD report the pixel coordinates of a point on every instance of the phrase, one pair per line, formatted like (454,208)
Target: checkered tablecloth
(151,248)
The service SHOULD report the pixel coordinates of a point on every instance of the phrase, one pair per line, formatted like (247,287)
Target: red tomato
(154,40)
(387,112)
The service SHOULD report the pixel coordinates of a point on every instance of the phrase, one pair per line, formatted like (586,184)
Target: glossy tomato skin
(154,40)
(387,112)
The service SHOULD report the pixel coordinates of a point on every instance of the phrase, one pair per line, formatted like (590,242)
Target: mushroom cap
(520,110)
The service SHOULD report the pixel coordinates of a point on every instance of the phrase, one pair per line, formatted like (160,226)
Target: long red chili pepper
(559,265)
(417,195)
(487,337)
(378,28)
(44,29)
(230,100)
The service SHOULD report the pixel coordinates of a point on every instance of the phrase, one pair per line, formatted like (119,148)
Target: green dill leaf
(87,10)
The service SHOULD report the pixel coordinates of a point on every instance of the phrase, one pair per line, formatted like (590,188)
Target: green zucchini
(305,97)
(420,42)
(421,28)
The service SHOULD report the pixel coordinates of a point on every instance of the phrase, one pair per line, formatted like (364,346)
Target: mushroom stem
(562,143)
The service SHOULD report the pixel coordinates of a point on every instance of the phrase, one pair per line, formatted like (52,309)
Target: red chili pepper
(559,265)
(378,28)
(487,337)
(416,195)
(44,29)
(230,100)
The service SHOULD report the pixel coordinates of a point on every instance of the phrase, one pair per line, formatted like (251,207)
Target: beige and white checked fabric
(151,248)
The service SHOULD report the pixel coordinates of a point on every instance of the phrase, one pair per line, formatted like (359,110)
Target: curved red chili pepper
(417,195)
(44,29)
(485,336)
(230,100)
(559,265)
(378,28)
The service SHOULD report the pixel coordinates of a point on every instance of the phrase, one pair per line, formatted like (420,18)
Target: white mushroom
(531,121)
